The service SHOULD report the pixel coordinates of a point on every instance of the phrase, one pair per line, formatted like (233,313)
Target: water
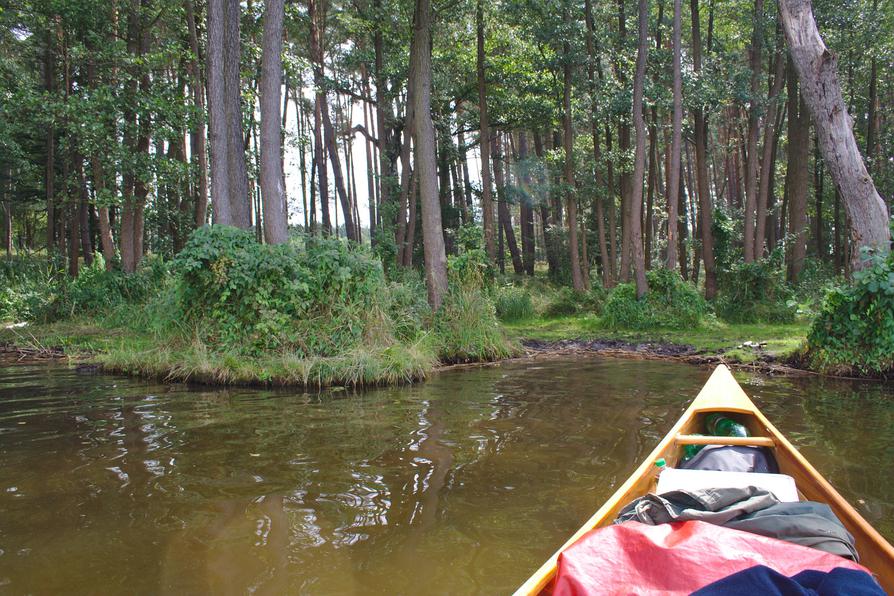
(462,485)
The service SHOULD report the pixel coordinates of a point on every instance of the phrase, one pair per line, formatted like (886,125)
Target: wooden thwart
(708,440)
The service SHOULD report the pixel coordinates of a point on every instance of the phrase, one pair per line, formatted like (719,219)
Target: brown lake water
(461,485)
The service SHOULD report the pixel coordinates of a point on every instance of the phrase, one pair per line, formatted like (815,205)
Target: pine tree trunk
(751,182)
(50,167)
(673,177)
(271,175)
(577,278)
(768,155)
(487,208)
(198,150)
(502,206)
(636,195)
(817,71)
(796,179)
(526,209)
(701,167)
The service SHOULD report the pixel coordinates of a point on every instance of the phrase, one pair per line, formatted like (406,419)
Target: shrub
(262,297)
(854,331)
(755,293)
(670,303)
(513,304)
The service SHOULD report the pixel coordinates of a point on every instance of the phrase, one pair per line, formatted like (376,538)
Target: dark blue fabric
(767,582)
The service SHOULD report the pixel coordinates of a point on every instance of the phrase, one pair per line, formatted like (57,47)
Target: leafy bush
(755,293)
(513,304)
(854,331)
(670,303)
(41,291)
(261,297)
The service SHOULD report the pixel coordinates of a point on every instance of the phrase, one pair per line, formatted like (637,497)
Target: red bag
(678,558)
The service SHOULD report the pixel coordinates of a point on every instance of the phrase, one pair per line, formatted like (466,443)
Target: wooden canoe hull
(723,394)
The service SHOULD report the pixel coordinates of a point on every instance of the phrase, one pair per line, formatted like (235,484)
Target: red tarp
(678,558)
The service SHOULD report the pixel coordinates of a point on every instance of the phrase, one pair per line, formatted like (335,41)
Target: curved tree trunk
(817,71)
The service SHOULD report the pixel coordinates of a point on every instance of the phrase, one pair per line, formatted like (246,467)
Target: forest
(321,192)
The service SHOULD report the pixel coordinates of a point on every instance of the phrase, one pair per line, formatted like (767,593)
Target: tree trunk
(272,192)
(426,165)
(526,209)
(612,209)
(818,197)
(50,169)
(487,208)
(767,158)
(796,179)
(370,160)
(701,167)
(636,195)
(753,132)
(577,279)
(198,149)
(240,199)
(6,203)
(230,198)
(817,71)
(673,176)
(502,206)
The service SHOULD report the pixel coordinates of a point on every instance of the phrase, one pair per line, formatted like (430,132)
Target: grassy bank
(316,312)
(777,341)
(230,311)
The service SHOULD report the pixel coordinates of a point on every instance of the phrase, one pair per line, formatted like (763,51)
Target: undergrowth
(228,310)
(854,330)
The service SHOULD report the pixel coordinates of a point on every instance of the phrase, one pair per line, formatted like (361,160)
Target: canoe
(723,394)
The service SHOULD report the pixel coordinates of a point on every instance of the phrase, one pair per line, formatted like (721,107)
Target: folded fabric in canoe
(763,580)
(675,559)
(733,458)
(749,509)
(806,523)
(714,505)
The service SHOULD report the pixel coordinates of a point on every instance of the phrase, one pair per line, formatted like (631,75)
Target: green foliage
(670,303)
(568,301)
(755,293)
(854,331)
(466,326)
(36,290)
(268,297)
(513,303)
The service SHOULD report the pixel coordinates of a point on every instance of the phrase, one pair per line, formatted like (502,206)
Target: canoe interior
(723,395)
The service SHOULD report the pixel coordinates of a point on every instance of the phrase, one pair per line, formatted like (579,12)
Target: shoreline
(534,349)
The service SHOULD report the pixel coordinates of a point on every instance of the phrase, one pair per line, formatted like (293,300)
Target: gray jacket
(749,509)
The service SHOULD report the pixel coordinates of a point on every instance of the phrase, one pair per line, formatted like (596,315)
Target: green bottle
(690,451)
(721,426)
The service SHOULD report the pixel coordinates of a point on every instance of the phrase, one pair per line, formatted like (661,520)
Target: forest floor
(753,344)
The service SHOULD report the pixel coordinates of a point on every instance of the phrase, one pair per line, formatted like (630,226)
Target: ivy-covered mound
(854,331)
(671,303)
